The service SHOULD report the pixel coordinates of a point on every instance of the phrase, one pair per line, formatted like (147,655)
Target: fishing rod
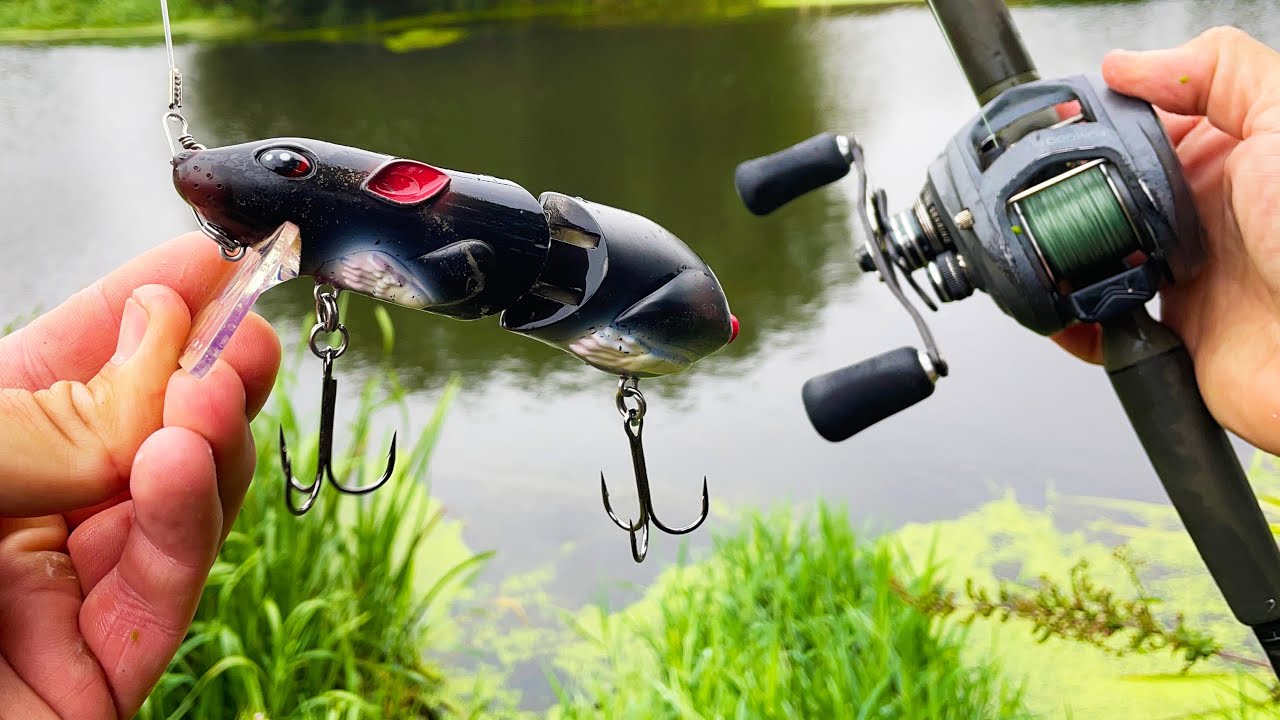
(1064,201)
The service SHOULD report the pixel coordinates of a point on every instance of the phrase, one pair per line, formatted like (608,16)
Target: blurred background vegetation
(192,16)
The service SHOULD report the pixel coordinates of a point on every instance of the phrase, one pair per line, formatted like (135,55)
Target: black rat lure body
(610,287)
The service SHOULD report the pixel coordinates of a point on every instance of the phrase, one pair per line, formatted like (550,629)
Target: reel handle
(767,183)
(847,401)
(1152,374)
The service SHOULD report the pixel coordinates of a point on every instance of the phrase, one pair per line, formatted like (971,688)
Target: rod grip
(767,183)
(1197,466)
(847,401)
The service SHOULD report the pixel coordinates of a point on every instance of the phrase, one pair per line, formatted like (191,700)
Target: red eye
(733,327)
(286,162)
(407,182)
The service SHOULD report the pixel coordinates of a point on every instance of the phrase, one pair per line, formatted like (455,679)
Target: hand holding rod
(1045,215)
(1153,376)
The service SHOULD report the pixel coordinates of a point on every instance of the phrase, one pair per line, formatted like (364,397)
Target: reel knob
(865,263)
(845,402)
(950,281)
(767,183)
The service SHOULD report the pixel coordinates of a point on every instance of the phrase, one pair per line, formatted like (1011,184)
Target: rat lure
(611,288)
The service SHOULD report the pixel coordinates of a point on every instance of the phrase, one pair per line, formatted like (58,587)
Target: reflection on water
(650,119)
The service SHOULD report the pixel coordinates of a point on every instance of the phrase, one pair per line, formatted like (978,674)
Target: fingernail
(133,327)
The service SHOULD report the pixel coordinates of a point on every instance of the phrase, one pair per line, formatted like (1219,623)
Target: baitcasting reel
(1065,202)
(1059,220)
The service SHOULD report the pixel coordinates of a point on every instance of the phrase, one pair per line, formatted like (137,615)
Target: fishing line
(1079,224)
(982,111)
(168,33)
(179,136)
(175,75)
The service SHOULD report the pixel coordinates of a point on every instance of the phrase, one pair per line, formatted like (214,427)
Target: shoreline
(417,31)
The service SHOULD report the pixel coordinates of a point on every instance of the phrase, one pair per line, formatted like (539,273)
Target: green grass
(70,21)
(44,14)
(328,615)
(137,21)
(787,618)
(206,29)
(802,4)
(17,322)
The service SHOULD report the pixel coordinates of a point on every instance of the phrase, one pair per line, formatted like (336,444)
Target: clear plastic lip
(264,266)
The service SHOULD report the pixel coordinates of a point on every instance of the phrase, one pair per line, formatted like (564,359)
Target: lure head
(399,230)
(622,294)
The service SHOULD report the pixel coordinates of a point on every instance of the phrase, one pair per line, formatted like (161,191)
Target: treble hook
(633,425)
(327,321)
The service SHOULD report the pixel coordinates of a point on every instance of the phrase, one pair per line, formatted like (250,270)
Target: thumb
(153,331)
(72,445)
(1223,74)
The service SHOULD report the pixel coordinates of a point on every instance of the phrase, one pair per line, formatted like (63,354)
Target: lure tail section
(621,293)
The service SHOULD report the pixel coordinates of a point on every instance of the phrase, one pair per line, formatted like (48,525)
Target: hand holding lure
(609,287)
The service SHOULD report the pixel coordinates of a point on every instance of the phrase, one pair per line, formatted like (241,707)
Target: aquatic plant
(1081,610)
(1138,626)
(787,617)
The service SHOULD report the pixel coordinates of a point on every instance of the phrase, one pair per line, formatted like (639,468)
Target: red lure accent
(301,166)
(407,182)
(733,324)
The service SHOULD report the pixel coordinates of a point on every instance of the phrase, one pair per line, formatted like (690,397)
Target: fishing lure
(612,288)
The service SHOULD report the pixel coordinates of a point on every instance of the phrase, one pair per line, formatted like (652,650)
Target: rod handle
(767,183)
(1152,374)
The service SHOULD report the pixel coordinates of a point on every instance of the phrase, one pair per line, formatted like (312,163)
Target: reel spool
(1078,223)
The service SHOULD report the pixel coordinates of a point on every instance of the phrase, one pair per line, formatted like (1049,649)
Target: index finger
(1223,75)
(74,340)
